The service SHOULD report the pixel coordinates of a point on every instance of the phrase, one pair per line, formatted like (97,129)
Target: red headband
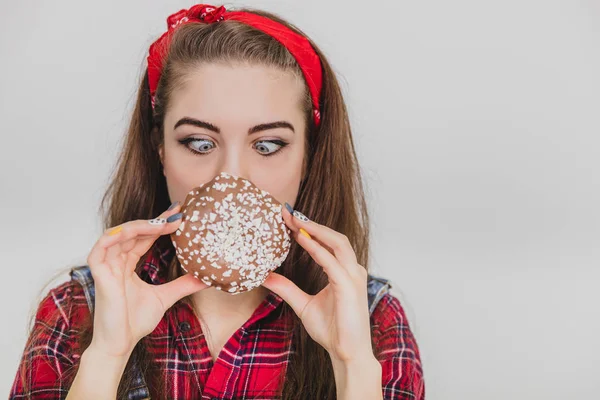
(298,45)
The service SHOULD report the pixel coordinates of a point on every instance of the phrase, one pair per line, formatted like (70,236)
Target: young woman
(247,93)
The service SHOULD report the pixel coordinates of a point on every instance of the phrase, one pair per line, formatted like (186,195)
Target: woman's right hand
(127,308)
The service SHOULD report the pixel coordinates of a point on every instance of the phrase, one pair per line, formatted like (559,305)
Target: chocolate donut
(232,234)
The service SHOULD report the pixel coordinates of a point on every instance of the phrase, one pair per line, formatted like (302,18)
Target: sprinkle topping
(232,235)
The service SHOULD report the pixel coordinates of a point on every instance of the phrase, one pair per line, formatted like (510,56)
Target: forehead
(229,93)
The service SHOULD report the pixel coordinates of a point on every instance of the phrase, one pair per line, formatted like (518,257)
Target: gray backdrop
(477,126)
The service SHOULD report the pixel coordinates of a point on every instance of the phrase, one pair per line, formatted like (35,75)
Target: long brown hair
(331,192)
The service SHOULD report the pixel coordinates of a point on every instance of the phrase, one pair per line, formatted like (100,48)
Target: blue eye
(203,147)
(276,146)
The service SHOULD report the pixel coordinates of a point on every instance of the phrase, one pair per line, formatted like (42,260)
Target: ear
(161,156)
(161,150)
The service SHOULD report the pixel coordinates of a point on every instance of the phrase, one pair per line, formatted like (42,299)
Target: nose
(233,163)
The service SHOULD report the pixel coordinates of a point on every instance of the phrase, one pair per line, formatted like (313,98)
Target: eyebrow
(254,129)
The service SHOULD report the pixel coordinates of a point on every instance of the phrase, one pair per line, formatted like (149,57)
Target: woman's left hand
(337,317)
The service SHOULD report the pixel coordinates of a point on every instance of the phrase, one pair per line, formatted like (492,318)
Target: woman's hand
(337,317)
(127,308)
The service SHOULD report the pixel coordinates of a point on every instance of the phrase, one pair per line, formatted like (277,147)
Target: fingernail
(172,206)
(157,221)
(302,231)
(174,217)
(289,208)
(116,230)
(300,216)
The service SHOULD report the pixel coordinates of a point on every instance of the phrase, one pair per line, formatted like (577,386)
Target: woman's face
(243,120)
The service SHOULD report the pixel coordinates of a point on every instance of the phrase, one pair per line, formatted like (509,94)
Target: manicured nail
(174,217)
(116,230)
(157,221)
(289,208)
(300,216)
(302,231)
(172,206)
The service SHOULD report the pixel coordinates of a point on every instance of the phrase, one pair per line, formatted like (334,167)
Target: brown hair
(331,192)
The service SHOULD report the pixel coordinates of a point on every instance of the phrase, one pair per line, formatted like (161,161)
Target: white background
(477,125)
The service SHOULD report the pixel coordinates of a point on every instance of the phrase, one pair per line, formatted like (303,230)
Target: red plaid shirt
(247,367)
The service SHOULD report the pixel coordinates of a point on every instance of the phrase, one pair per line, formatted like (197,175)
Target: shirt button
(184,326)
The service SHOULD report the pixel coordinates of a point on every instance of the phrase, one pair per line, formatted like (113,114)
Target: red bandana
(298,45)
